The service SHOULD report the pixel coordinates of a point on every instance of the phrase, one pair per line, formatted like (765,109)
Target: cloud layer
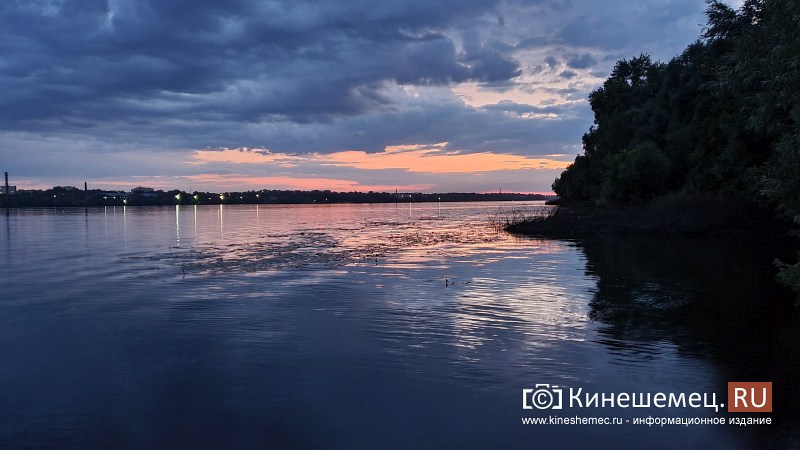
(129,84)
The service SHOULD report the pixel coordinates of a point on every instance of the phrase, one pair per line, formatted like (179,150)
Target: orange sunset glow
(412,158)
(234,182)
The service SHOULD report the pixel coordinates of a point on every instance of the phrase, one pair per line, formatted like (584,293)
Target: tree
(721,118)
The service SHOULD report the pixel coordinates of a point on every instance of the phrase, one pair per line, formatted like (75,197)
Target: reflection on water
(365,326)
(707,299)
(297,236)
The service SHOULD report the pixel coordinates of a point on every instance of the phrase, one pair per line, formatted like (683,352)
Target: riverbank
(677,217)
(734,223)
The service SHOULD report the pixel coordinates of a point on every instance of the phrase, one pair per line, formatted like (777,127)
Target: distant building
(115,194)
(7,189)
(65,188)
(401,195)
(144,191)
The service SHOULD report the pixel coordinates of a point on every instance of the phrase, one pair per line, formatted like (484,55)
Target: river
(374,326)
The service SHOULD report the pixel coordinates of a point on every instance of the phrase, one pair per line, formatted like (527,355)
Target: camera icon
(543,396)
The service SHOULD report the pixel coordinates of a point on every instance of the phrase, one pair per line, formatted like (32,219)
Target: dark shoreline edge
(766,235)
(699,221)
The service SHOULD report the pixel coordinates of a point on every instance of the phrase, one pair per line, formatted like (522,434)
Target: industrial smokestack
(5,188)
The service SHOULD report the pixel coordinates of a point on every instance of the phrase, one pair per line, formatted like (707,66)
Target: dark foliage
(720,119)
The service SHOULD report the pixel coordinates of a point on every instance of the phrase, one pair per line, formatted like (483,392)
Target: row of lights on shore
(196,197)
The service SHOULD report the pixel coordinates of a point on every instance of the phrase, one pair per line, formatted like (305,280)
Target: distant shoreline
(74,197)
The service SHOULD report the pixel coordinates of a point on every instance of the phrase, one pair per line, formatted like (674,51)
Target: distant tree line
(720,119)
(70,196)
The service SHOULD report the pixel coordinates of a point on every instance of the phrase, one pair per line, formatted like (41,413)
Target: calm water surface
(368,326)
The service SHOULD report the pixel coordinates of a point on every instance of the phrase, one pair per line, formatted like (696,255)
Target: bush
(635,176)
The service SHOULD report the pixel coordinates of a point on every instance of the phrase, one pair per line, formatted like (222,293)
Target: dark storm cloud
(118,76)
(581,61)
(93,60)
(611,28)
(551,61)
(658,27)
(568,74)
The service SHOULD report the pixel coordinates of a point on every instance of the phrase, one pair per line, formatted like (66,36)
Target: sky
(357,95)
